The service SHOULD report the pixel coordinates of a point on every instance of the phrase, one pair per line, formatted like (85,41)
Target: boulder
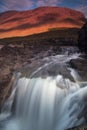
(82,39)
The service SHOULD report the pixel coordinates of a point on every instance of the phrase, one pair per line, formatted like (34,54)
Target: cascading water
(52,102)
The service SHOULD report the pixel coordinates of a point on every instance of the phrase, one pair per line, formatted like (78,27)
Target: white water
(51,103)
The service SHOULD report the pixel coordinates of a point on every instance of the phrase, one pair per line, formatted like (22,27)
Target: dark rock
(4,89)
(79,128)
(81,67)
(82,39)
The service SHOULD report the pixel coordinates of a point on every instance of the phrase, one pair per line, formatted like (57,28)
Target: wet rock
(79,128)
(82,39)
(81,67)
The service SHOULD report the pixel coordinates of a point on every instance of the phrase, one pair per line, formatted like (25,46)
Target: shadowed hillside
(53,35)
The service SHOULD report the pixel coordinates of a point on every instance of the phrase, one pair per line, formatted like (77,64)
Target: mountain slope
(14,23)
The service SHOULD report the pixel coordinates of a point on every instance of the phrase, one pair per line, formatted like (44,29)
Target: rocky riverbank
(14,56)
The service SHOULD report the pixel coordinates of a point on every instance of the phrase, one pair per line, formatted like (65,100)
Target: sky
(5,5)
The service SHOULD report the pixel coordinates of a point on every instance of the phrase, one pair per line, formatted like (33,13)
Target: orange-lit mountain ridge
(14,23)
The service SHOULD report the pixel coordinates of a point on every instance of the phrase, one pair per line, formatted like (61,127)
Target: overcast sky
(6,5)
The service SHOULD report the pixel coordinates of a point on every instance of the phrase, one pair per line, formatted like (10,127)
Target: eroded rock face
(82,40)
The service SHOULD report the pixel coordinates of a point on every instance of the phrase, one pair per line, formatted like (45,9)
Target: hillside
(14,23)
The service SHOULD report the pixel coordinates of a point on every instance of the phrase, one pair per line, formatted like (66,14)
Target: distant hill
(14,23)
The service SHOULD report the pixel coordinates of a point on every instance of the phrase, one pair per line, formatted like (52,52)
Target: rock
(80,65)
(79,128)
(4,88)
(82,39)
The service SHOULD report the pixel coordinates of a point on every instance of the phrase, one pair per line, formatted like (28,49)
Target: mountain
(14,23)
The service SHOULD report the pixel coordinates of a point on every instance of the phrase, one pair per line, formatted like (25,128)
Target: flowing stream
(46,100)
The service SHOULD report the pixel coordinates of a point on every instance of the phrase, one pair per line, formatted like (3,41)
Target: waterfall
(46,103)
